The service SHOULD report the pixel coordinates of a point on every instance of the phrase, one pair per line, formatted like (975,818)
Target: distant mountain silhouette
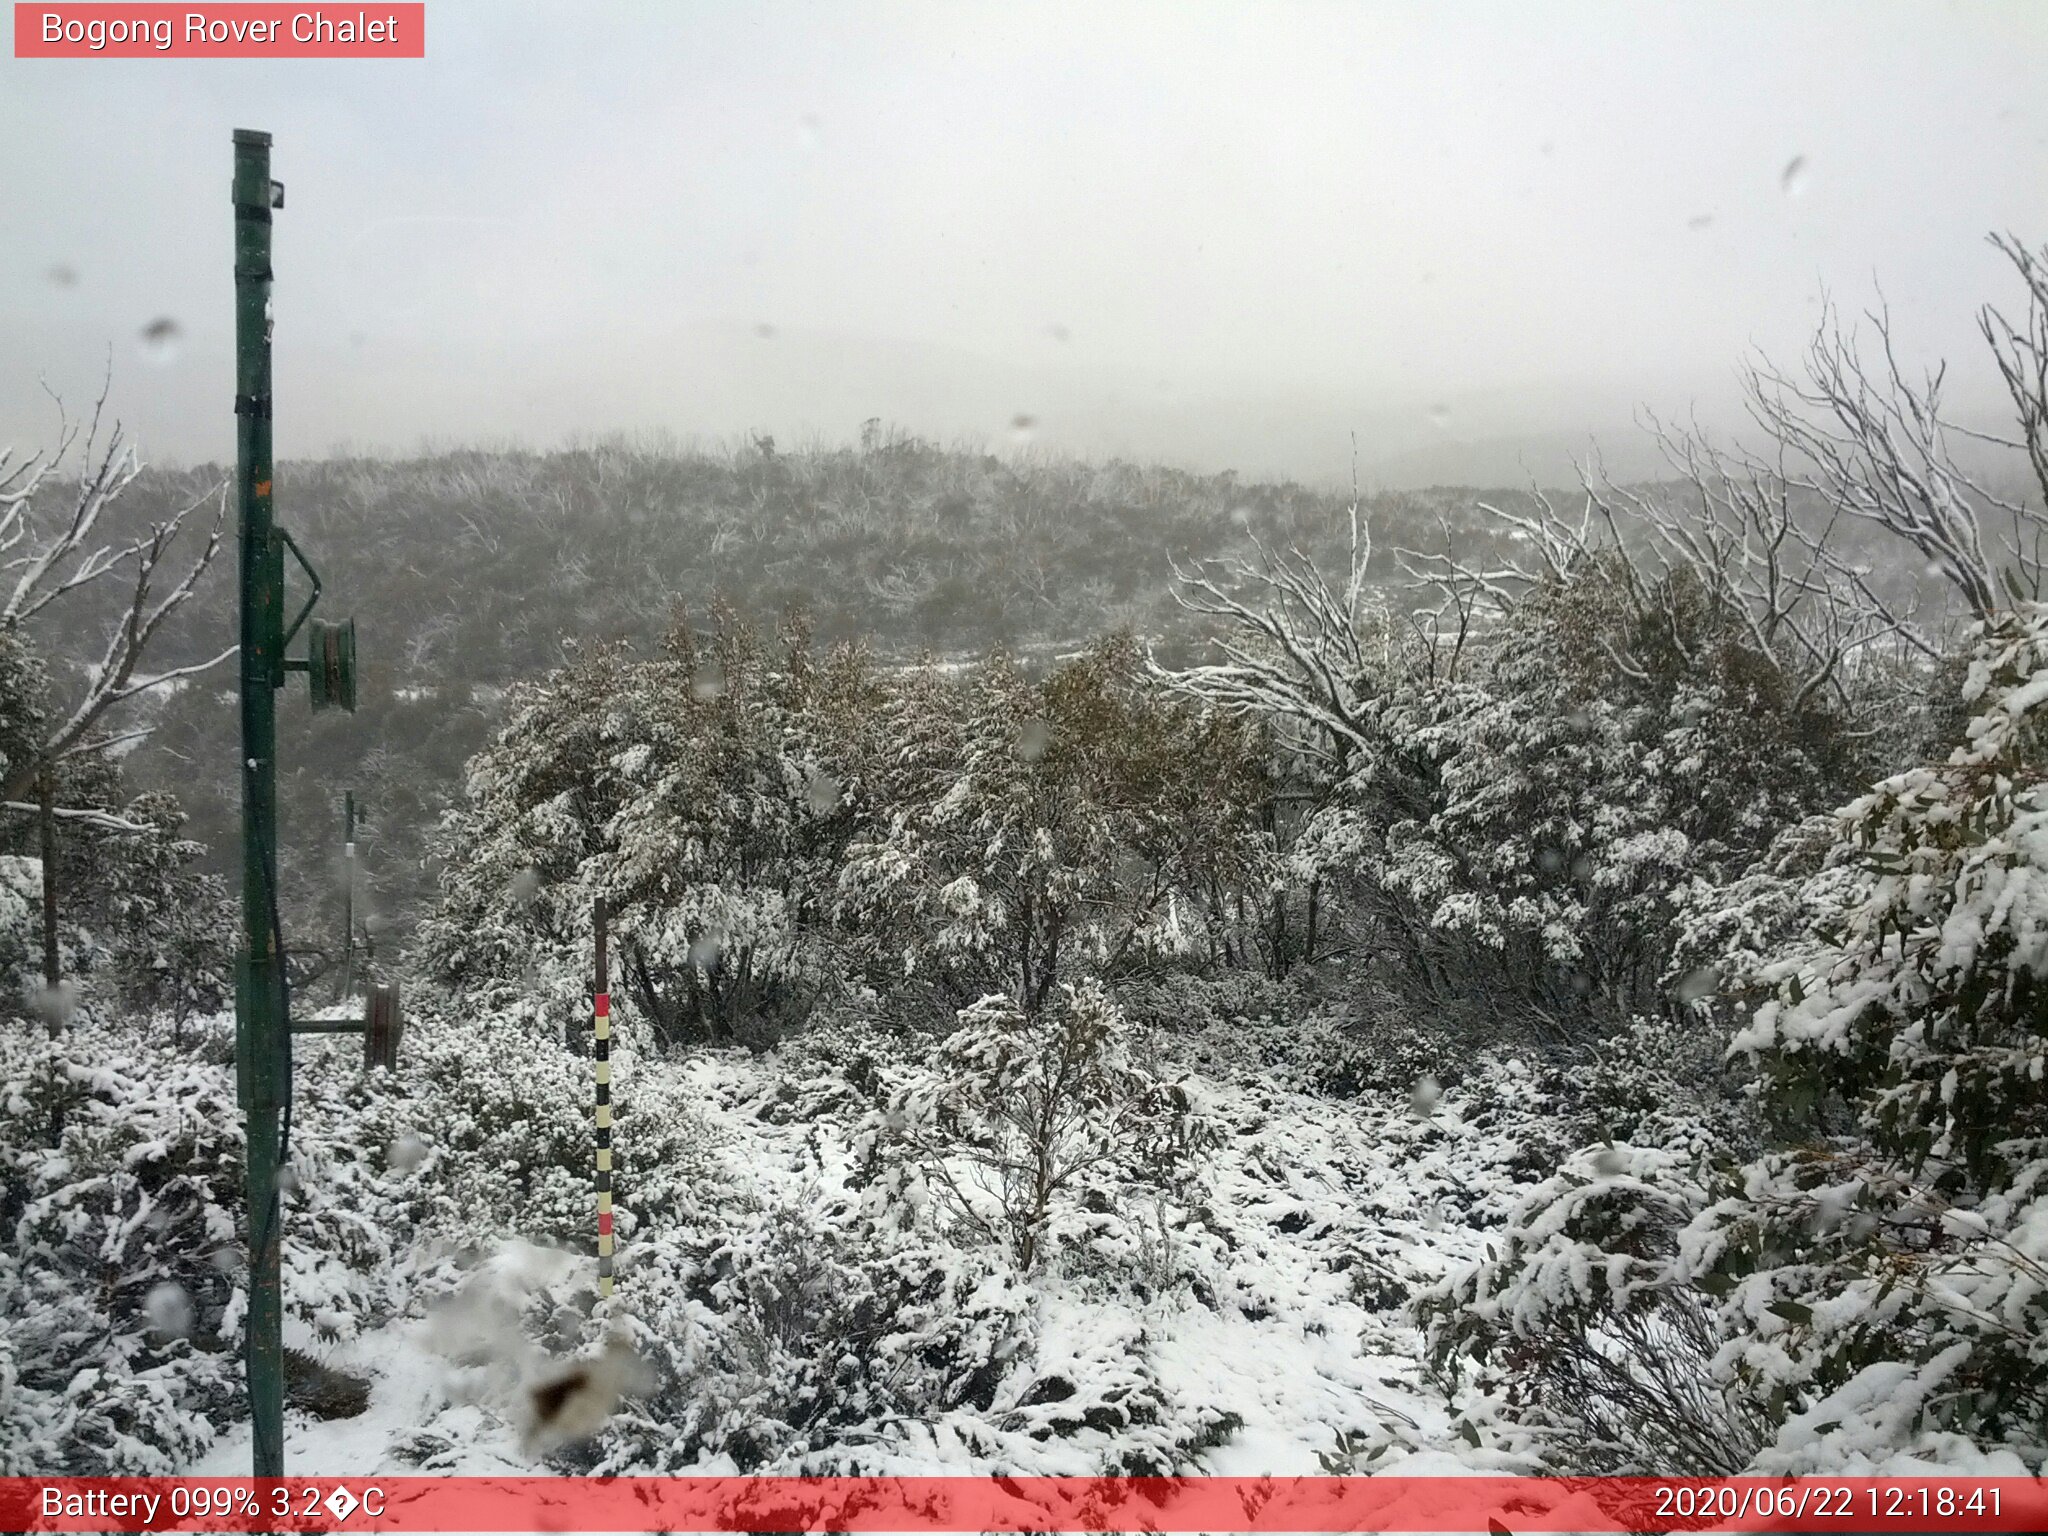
(1547,459)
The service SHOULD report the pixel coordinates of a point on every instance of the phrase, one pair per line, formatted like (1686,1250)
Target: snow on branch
(46,564)
(1872,440)
(1297,650)
(105,821)
(1727,526)
(2021,352)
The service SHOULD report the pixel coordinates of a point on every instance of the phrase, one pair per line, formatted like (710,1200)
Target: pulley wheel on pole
(331,664)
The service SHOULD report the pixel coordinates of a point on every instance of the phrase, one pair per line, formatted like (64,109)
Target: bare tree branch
(1873,442)
(47,565)
(1298,651)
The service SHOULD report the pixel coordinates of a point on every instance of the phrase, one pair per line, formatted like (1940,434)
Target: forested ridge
(468,571)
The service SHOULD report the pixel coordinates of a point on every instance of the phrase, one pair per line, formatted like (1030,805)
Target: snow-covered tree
(705,794)
(1913,1029)
(739,797)
(49,552)
(1509,816)
(1035,831)
(169,927)
(514,921)
(1874,1286)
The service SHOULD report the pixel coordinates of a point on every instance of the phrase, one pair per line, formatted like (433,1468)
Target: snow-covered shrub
(118,1259)
(1582,1328)
(1189,1003)
(768,829)
(1660,1082)
(1243,1027)
(512,931)
(509,1149)
(1728,931)
(1875,1287)
(781,1336)
(739,796)
(1017,1113)
(170,929)
(1395,1060)
(1912,1242)
(124,1242)
(21,884)
(1094,1398)
(703,794)
(1504,824)
(833,1067)
(122,1246)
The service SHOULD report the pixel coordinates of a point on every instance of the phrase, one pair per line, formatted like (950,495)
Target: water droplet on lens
(706,948)
(1792,180)
(823,793)
(523,887)
(54,1005)
(1058,332)
(168,1310)
(708,682)
(1034,739)
(1699,984)
(764,331)
(62,275)
(159,340)
(407,1152)
(1440,417)
(1699,221)
(1426,1094)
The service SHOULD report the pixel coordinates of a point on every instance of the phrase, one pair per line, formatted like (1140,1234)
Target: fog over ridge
(1225,242)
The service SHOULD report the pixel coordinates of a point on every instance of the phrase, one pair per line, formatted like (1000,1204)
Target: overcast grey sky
(1217,233)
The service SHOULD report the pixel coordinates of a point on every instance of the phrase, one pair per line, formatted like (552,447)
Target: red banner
(1479,1504)
(249,31)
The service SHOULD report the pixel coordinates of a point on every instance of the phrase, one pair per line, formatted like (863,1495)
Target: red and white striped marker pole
(602,1050)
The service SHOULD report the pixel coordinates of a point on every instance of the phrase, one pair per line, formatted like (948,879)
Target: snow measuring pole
(263,1027)
(601,1049)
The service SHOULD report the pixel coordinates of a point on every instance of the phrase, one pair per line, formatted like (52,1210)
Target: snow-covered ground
(1273,1327)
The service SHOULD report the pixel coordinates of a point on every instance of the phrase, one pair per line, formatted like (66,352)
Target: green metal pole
(262,1040)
